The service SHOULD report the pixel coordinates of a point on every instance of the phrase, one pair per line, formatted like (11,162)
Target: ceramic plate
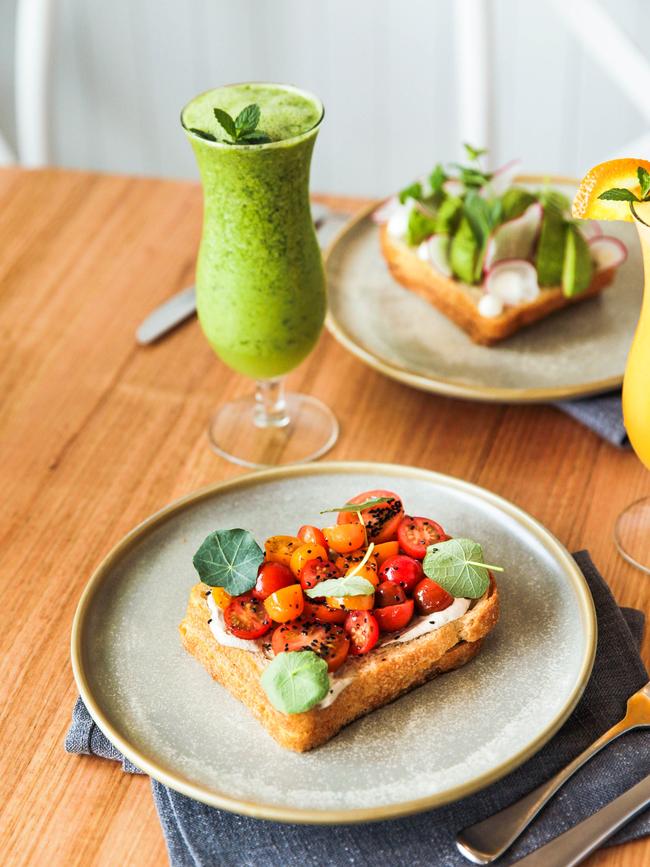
(578,351)
(163,711)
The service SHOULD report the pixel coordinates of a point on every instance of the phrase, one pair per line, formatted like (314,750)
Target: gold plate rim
(442,385)
(274,812)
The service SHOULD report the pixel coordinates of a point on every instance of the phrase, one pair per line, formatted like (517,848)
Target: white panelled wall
(384,69)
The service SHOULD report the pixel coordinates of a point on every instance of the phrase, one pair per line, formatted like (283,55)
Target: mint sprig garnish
(243,128)
(474,153)
(295,681)
(229,559)
(457,565)
(621,194)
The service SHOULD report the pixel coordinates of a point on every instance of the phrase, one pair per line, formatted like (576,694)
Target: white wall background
(384,69)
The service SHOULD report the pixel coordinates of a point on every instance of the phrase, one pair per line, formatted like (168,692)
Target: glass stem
(270,405)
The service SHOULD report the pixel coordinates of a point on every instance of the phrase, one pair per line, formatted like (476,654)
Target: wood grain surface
(98,432)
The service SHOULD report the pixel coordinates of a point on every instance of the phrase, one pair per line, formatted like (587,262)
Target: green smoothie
(259,279)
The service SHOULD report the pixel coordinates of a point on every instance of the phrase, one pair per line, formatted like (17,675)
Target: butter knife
(182,305)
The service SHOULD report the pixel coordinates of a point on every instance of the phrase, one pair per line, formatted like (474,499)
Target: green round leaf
(352,585)
(456,566)
(229,559)
(296,681)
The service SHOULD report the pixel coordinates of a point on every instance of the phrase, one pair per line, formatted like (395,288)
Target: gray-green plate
(578,351)
(448,738)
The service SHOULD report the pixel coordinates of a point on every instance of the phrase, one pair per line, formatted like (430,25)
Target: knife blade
(182,305)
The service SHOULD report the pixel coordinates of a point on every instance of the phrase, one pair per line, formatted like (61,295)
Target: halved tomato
(416,534)
(325,639)
(272,577)
(285,604)
(221,598)
(363,629)
(301,556)
(279,549)
(246,617)
(394,617)
(430,596)
(384,550)
(381,521)
(323,613)
(309,533)
(317,570)
(344,538)
(351,603)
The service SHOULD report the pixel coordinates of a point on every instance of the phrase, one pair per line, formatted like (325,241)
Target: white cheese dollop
(218,628)
(337,685)
(490,306)
(432,621)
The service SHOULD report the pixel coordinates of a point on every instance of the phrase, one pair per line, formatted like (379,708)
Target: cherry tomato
(402,570)
(394,617)
(325,639)
(363,629)
(388,593)
(245,617)
(347,563)
(308,533)
(367,571)
(344,538)
(285,604)
(384,550)
(381,521)
(301,556)
(351,603)
(416,534)
(278,549)
(317,570)
(430,597)
(221,598)
(323,613)
(272,577)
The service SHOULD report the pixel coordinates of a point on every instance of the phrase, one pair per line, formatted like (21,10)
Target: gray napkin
(199,836)
(603,414)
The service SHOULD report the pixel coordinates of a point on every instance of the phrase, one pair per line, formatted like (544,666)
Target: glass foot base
(307,431)
(632,534)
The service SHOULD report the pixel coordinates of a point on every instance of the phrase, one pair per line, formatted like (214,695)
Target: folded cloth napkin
(198,836)
(603,414)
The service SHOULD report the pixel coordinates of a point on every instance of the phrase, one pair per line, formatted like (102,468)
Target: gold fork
(483,842)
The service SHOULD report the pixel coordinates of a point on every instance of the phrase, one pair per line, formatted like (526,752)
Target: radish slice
(590,229)
(503,177)
(514,281)
(607,252)
(515,238)
(435,251)
(386,210)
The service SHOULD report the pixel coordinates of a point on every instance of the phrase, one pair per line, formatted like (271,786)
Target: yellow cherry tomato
(221,598)
(279,549)
(352,603)
(384,550)
(304,554)
(344,538)
(285,604)
(367,571)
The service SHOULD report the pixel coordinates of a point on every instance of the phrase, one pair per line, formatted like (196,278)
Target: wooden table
(98,432)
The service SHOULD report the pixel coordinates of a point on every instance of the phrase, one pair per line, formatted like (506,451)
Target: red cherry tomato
(325,639)
(272,577)
(403,571)
(381,521)
(416,534)
(388,593)
(394,617)
(363,629)
(430,597)
(323,613)
(313,535)
(246,617)
(317,570)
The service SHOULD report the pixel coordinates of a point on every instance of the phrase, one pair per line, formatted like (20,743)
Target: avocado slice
(550,249)
(464,253)
(515,201)
(578,268)
(448,215)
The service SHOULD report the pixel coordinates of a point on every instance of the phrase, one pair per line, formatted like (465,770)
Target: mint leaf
(457,566)
(248,118)
(644,180)
(256,137)
(414,191)
(618,194)
(474,153)
(359,507)
(226,122)
(351,585)
(229,559)
(437,179)
(296,681)
(202,134)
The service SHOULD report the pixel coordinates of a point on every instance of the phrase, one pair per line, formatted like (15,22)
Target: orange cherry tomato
(302,555)
(344,538)
(384,550)
(308,533)
(221,598)
(381,521)
(351,603)
(367,571)
(279,549)
(285,604)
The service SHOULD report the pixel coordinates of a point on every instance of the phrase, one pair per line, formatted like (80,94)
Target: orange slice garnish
(605,176)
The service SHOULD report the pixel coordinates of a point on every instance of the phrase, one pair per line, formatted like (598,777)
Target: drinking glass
(260,283)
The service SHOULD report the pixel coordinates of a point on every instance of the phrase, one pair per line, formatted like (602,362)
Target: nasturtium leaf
(457,566)
(350,585)
(229,559)
(296,681)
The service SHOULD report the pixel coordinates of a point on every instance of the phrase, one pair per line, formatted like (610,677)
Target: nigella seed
(209,621)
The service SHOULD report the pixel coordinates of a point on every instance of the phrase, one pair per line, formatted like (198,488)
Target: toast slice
(376,679)
(459,301)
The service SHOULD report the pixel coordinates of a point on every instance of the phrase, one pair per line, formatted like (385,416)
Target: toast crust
(378,678)
(458,301)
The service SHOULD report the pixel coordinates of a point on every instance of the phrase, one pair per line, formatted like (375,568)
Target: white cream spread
(337,685)
(398,222)
(431,621)
(490,306)
(218,628)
